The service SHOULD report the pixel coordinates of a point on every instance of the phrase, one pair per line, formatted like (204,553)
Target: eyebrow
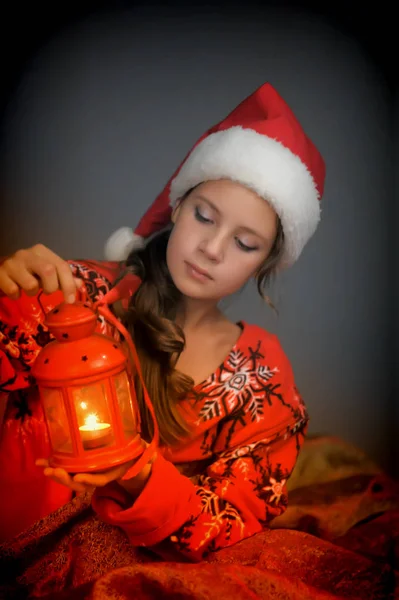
(243,228)
(208,202)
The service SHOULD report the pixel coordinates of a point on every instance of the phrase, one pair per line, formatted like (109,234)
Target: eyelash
(244,247)
(201,217)
(239,243)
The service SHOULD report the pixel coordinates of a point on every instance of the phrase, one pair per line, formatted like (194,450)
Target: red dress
(224,485)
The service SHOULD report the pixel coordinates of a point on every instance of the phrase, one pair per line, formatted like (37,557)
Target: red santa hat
(261,145)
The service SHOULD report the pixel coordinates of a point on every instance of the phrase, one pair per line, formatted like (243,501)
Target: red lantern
(87,391)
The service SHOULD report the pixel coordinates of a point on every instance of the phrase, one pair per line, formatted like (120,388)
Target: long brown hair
(268,268)
(150,320)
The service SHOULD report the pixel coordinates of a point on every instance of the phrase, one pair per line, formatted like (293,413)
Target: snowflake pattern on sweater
(243,392)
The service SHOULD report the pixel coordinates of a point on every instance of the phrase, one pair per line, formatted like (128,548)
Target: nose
(214,247)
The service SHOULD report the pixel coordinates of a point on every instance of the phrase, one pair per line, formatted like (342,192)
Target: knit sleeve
(22,335)
(238,495)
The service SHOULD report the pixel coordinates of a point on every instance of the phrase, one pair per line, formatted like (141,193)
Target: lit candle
(94,434)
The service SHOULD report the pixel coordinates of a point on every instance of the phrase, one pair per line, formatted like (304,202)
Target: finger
(61,476)
(88,489)
(8,286)
(20,272)
(101,479)
(30,271)
(46,272)
(58,475)
(82,488)
(66,281)
(93,480)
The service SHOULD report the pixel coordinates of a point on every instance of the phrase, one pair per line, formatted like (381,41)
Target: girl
(242,204)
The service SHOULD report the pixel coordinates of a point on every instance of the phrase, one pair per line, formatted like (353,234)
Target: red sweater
(229,481)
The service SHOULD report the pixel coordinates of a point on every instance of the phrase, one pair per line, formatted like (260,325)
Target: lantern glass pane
(57,420)
(125,403)
(93,415)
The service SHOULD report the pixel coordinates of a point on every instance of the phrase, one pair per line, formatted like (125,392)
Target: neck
(197,313)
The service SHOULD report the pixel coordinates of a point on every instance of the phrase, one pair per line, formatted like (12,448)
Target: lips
(198,270)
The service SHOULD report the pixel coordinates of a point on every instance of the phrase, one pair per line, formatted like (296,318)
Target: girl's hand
(37,268)
(83,482)
(86,482)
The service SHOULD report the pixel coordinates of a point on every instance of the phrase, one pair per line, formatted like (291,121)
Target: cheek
(179,242)
(175,249)
(246,265)
(241,270)
(171,253)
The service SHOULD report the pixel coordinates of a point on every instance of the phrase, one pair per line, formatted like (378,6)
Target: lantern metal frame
(82,333)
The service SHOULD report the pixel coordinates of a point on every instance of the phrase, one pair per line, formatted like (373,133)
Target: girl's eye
(200,217)
(244,247)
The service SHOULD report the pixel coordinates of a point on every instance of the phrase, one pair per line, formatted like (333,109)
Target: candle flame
(92,421)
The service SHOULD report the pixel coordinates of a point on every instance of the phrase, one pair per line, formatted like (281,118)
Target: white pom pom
(121,243)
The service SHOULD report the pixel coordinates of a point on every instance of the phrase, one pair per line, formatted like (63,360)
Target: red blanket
(338,539)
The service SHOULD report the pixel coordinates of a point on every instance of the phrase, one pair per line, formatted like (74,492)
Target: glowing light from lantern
(92,422)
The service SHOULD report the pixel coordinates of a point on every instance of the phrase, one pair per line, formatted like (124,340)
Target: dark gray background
(101,105)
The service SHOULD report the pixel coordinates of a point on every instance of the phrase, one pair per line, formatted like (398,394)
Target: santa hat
(260,145)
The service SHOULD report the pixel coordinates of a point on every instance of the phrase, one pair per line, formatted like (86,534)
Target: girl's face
(222,234)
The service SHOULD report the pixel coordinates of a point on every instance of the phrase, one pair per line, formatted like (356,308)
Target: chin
(191,289)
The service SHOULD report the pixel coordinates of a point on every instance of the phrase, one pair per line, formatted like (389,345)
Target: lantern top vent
(77,351)
(78,320)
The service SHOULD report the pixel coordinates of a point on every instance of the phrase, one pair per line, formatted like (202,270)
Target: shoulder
(260,387)
(255,332)
(267,344)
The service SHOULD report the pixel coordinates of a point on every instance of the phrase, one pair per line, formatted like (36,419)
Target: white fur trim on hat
(264,165)
(121,243)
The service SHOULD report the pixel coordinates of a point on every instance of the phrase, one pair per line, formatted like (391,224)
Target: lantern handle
(83,296)
(40,302)
(127,286)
